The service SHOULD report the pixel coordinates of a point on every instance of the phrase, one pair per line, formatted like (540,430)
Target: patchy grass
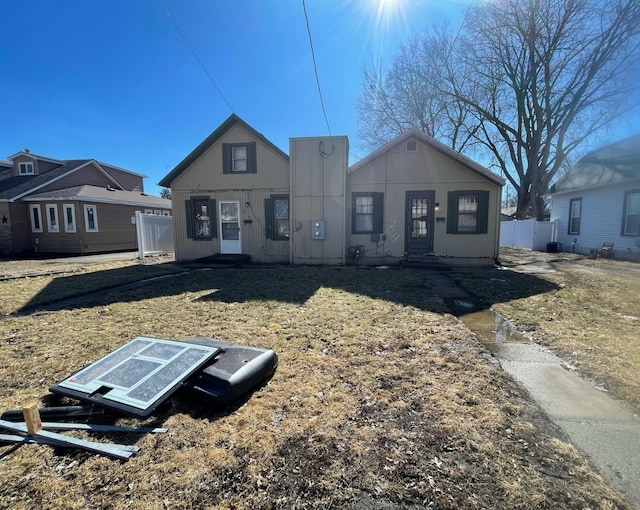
(39,286)
(381,399)
(587,310)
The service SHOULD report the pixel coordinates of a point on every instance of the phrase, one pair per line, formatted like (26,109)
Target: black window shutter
(189,214)
(213,217)
(483,212)
(252,158)
(452,212)
(378,213)
(226,158)
(268,219)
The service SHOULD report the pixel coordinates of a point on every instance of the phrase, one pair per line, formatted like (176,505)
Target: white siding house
(598,201)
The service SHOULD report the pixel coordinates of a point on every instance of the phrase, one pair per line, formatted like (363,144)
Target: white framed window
(631,213)
(52,218)
(25,168)
(90,218)
(166,213)
(157,212)
(468,213)
(69,212)
(575,212)
(148,211)
(239,159)
(36,218)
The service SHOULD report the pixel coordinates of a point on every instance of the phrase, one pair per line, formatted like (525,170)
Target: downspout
(498,225)
(291,208)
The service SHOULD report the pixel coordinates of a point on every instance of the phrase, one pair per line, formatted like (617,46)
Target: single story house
(414,198)
(70,206)
(597,201)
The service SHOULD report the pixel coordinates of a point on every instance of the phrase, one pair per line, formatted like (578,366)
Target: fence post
(140,235)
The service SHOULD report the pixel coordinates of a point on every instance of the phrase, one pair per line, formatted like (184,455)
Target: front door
(419,211)
(230,227)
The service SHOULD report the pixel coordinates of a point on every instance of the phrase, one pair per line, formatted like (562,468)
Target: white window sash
(69,219)
(52,219)
(89,217)
(36,218)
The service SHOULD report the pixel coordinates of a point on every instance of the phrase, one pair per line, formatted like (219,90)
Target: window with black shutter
(367,213)
(276,213)
(239,158)
(468,212)
(201,218)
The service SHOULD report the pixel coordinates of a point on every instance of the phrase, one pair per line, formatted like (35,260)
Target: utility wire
(195,54)
(315,67)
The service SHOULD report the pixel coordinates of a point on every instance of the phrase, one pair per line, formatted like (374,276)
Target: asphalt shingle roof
(14,185)
(613,163)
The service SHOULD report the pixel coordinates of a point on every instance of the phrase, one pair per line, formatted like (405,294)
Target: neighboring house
(70,206)
(414,198)
(597,201)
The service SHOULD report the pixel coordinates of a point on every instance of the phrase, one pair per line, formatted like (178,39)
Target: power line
(195,54)
(315,67)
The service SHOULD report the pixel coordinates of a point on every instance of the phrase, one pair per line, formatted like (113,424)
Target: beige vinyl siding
(254,241)
(318,185)
(206,172)
(398,171)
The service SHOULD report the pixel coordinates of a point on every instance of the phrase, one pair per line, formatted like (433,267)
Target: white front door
(230,227)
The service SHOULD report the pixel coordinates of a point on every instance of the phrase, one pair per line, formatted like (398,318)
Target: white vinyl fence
(530,234)
(155,234)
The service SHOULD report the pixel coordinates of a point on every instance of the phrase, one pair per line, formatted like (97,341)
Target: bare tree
(410,94)
(165,193)
(535,79)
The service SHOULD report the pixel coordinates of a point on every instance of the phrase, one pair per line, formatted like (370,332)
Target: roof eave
(212,139)
(436,145)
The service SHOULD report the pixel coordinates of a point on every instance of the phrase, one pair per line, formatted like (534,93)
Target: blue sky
(113,80)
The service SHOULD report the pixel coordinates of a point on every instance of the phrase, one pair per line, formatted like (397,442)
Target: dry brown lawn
(587,311)
(381,399)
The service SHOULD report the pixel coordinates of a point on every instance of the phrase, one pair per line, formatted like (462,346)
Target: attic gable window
(411,146)
(239,158)
(25,168)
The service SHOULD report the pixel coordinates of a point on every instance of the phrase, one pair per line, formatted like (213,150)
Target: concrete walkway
(597,425)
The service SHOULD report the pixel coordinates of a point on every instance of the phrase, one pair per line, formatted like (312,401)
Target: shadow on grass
(494,285)
(74,289)
(281,284)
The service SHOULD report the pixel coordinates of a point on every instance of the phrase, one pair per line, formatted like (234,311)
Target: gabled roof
(100,194)
(7,164)
(13,187)
(35,156)
(212,139)
(611,164)
(433,143)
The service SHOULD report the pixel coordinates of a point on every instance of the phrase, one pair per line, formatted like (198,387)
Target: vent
(412,146)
